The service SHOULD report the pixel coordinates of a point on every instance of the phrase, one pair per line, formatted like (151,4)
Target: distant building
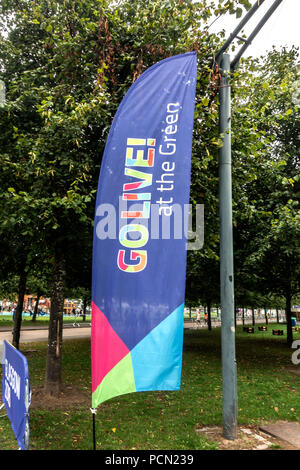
(296,311)
(70,306)
(30,301)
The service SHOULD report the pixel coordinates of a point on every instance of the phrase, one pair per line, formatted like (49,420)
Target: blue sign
(16,392)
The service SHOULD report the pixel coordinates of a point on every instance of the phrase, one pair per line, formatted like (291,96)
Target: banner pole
(94,411)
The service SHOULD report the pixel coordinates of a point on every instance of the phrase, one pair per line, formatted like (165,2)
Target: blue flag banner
(16,393)
(138,284)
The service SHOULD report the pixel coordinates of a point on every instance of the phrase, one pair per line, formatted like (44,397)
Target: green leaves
(266,158)
(67,66)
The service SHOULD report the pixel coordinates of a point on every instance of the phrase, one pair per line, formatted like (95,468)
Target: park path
(31,335)
(40,333)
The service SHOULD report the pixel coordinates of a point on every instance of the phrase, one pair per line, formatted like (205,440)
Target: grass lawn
(267,391)
(6,320)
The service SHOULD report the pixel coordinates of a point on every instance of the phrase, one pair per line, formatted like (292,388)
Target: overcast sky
(281,29)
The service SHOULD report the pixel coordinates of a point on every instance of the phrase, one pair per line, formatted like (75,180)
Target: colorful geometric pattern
(123,371)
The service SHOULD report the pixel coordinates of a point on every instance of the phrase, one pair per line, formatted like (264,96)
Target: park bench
(262,328)
(249,329)
(277,332)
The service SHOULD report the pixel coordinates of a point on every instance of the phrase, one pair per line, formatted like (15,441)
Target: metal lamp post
(229,369)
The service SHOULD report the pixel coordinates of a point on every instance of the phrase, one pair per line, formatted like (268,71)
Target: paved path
(289,432)
(40,333)
(33,334)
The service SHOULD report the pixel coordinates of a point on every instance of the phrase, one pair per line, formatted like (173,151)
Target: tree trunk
(54,353)
(19,309)
(288,314)
(277,315)
(266,316)
(243,316)
(85,300)
(288,301)
(209,315)
(253,317)
(36,306)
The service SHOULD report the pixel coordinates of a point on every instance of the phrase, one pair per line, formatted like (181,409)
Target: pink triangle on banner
(107,348)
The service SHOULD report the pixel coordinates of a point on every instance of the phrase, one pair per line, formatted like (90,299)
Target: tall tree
(267,236)
(66,66)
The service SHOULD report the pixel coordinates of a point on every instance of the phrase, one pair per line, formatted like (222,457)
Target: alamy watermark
(140,222)
(296,354)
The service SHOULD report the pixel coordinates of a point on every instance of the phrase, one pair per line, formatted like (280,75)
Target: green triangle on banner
(118,381)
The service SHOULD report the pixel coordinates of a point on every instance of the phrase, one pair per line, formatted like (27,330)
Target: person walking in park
(198,317)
